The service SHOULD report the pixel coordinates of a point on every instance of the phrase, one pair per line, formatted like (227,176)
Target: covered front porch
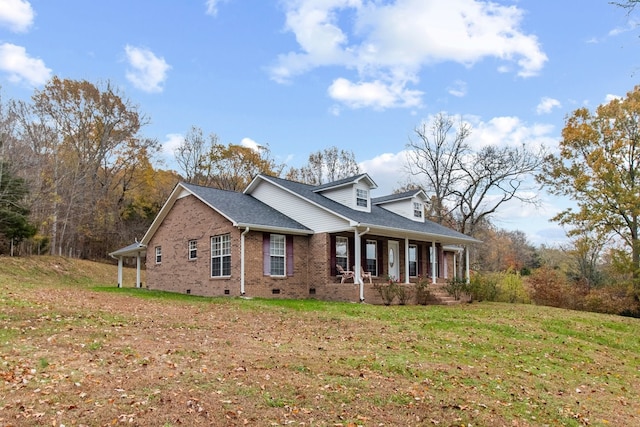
(408,259)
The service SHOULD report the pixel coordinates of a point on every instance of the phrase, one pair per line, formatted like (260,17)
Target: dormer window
(362,197)
(417,209)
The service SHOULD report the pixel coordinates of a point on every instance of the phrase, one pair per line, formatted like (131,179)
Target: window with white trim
(277,254)
(413,260)
(221,255)
(193,249)
(362,197)
(342,252)
(417,209)
(158,254)
(371,251)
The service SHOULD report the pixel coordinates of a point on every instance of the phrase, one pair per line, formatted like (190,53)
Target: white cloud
(15,61)
(148,72)
(546,105)
(16,15)
(212,6)
(610,97)
(172,143)
(631,25)
(390,43)
(387,170)
(510,131)
(250,143)
(459,89)
(378,95)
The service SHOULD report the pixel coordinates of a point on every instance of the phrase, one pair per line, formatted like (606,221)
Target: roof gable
(417,193)
(242,210)
(363,178)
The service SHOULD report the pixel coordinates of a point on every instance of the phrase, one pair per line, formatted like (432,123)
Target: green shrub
(457,287)
(404,294)
(483,287)
(423,294)
(387,291)
(511,289)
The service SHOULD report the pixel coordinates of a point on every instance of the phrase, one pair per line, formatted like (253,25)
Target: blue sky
(304,75)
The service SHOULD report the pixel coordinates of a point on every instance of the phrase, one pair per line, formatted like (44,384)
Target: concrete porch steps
(440,296)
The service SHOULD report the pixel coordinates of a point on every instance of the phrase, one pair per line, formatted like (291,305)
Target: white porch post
(434,263)
(138,281)
(467,274)
(455,270)
(406,260)
(356,268)
(119,271)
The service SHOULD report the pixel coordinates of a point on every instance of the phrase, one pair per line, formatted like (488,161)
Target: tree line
(78,178)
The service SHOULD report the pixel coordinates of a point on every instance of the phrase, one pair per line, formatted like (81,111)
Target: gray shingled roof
(340,182)
(244,209)
(397,196)
(377,217)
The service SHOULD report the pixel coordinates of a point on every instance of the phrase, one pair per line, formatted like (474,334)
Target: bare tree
(492,177)
(471,185)
(330,164)
(629,5)
(435,158)
(192,152)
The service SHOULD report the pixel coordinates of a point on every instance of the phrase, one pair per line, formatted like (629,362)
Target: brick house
(284,239)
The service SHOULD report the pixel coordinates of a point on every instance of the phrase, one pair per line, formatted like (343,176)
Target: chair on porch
(346,274)
(364,274)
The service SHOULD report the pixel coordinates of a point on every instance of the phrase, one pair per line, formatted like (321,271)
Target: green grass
(278,361)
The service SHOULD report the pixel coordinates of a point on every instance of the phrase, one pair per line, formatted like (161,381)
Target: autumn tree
(598,167)
(330,164)
(85,143)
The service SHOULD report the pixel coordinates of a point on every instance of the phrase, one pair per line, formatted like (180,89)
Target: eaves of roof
(378,218)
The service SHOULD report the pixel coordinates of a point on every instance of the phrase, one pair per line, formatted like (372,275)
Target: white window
(277,254)
(372,257)
(221,255)
(193,249)
(417,209)
(158,254)
(413,260)
(362,197)
(342,252)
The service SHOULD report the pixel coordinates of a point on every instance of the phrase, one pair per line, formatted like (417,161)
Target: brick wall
(190,219)
(257,284)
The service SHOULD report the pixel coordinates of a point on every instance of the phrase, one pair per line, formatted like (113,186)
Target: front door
(394,260)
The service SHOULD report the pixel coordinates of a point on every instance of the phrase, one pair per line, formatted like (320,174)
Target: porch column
(119,271)
(467,274)
(406,260)
(455,270)
(434,263)
(138,281)
(358,254)
(356,268)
